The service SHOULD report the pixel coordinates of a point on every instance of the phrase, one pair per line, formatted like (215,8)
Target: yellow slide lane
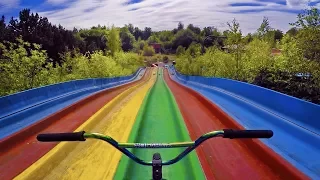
(93,159)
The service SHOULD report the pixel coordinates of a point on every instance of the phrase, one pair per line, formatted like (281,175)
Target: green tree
(127,39)
(235,43)
(184,38)
(146,33)
(194,50)
(216,32)
(95,38)
(114,42)
(292,31)
(148,51)
(309,18)
(194,29)
(153,39)
(131,28)
(137,33)
(309,34)
(234,35)
(278,35)
(270,37)
(180,26)
(141,44)
(21,66)
(264,27)
(138,46)
(165,36)
(180,50)
(36,29)
(309,43)
(3,30)
(226,32)
(167,45)
(266,33)
(248,38)
(207,31)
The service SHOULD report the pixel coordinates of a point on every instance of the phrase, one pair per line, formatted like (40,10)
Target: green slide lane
(159,121)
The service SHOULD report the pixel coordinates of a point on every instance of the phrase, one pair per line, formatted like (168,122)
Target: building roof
(156,45)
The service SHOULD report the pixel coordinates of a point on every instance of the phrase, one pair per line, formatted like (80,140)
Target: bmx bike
(156,162)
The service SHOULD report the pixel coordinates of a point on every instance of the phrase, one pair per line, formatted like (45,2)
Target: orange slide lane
(225,158)
(21,149)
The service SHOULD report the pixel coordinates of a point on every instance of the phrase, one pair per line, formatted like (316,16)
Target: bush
(289,83)
(256,65)
(148,51)
(21,70)
(21,66)
(194,49)
(180,50)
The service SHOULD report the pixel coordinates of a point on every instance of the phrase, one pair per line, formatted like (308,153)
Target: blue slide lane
(22,109)
(295,122)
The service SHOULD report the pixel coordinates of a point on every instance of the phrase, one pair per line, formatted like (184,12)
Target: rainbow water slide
(151,106)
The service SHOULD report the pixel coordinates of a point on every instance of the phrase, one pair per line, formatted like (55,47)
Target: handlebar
(225,133)
(75,136)
(230,133)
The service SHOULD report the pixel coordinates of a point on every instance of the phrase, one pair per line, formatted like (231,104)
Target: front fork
(156,167)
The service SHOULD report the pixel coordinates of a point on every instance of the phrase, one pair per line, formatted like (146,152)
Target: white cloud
(56,2)
(293,3)
(6,5)
(165,14)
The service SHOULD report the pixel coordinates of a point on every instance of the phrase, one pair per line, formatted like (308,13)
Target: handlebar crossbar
(190,146)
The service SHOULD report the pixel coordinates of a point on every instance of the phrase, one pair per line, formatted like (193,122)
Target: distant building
(156,47)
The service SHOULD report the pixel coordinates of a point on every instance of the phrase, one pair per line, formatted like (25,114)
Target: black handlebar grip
(232,133)
(51,137)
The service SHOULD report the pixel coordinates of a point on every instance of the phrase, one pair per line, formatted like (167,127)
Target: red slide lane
(225,158)
(21,149)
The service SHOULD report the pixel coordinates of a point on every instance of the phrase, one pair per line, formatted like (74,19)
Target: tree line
(296,71)
(53,54)
(34,52)
(56,39)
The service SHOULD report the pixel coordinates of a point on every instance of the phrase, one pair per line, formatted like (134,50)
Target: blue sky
(162,14)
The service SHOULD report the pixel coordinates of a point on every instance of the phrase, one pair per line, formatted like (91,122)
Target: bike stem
(156,166)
